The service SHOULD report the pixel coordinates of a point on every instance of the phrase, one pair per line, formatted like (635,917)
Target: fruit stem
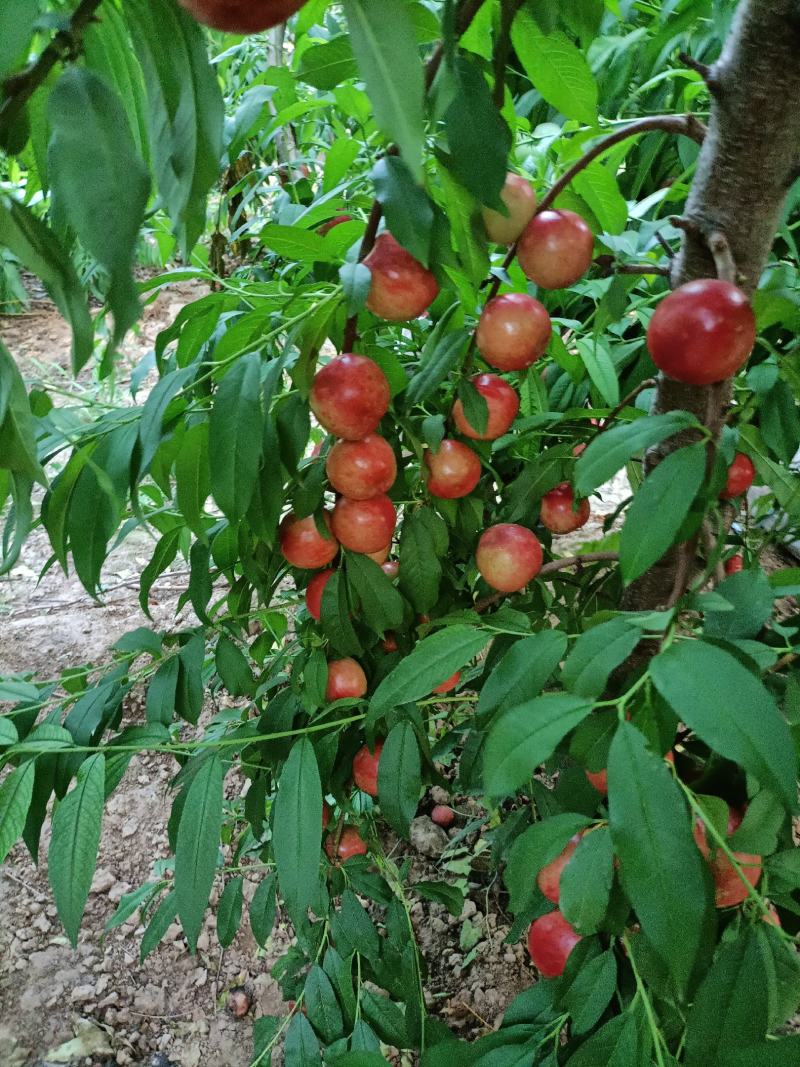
(552,568)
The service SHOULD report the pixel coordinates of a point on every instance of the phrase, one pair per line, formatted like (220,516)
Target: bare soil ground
(98,1005)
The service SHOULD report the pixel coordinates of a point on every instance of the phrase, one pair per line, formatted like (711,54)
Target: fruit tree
(460,263)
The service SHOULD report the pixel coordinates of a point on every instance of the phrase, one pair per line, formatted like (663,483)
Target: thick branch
(739,189)
(682,125)
(18,89)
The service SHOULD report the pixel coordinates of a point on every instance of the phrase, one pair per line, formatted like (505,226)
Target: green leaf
(323,1009)
(731,1007)
(165,552)
(197,846)
(142,639)
(522,672)
(592,990)
(432,661)
(385,1018)
(301,1048)
(16,29)
(235,437)
(534,849)
(131,903)
(42,253)
(597,360)
(659,509)
(556,68)
(616,1044)
(17,431)
(386,50)
(441,893)
(399,777)
(328,64)
(406,207)
(599,188)
(164,916)
(353,930)
(296,831)
(72,856)
(185,110)
(356,281)
(229,913)
(381,604)
(263,908)
(423,542)
(15,798)
(441,354)
(585,883)
(160,701)
(758,832)
(525,736)
(610,451)
(193,477)
(661,869)
(597,653)
(731,710)
(477,134)
(751,596)
(785,1052)
(233,668)
(86,184)
(290,242)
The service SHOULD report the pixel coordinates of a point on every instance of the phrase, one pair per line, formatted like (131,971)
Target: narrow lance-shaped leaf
(86,183)
(660,865)
(72,856)
(198,846)
(297,828)
(235,437)
(399,781)
(15,798)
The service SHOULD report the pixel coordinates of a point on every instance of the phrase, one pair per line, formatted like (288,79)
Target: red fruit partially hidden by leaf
(549,877)
(772,917)
(314,592)
(362,469)
(380,556)
(391,568)
(364,525)
(729,889)
(508,556)
(326,814)
(514,330)
(559,514)
(350,844)
(337,220)
(401,287)
(448,684)
(550,941)
(349,396)
(389,642)
(599,779)
(502,404)
(443,816)
(702,332)
(741,475)
(303,545)
(519,197)
(241,16)
(453,471)
(734,564)
(365,769)
(556,249)
(346,679)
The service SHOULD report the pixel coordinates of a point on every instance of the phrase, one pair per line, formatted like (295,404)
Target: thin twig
(508,11)
(723,257)
(19,88)
(608,266)
(681,125)
(648,383)
(552,568)
(665,245)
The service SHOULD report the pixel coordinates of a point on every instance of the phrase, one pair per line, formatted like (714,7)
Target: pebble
(427,838)
(81,994)
(102,881)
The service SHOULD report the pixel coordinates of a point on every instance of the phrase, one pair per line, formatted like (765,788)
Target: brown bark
(746,165)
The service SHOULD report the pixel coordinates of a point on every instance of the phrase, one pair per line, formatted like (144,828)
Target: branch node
(720,249)
(703,69)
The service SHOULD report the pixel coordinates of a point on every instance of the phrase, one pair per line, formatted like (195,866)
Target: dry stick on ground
(19,88)
(739,189)
(552,568)
(466,14)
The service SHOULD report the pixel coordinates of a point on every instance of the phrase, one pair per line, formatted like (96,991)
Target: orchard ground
(175,1003)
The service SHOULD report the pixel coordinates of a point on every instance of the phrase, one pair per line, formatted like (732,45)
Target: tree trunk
(746,166)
